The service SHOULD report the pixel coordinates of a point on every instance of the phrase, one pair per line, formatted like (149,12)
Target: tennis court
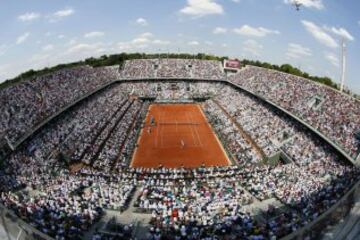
(176,135)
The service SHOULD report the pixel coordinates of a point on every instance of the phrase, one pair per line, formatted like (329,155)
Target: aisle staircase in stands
(102,128)
(113,127)
(128,132)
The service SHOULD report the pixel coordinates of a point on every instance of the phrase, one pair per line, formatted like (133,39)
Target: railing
(16,228)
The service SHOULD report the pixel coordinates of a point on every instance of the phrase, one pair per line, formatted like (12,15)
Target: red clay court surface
(181,136)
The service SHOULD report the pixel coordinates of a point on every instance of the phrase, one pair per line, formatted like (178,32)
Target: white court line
(157,131)
(139,137)
(216,137)
(191,130)
(162,144)
(196,131)
(177,146)
(160,128)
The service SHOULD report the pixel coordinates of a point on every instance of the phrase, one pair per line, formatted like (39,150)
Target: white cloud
(61,36)
(316,4)
(200,8)
(126,46)
(134,44)
(332,58)
(209,43)
(146,35)
(342,32)
(48,47)
(235,1)
(94,34)
(253,47)
(160,42)
(60,54)
(84,48)
(142,22)
(29,16)
(149,38)
(40,57)
(247,30)
(143,38)
(3,49)
(123,46)
(219,30)
(22,38)
(72,41)
(142,41)
(58,15)
(319,34)
(64,13)
(5,71)
(193,43)
(297,51)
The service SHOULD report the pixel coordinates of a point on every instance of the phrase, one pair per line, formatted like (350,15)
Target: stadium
(185,146)
(171,148)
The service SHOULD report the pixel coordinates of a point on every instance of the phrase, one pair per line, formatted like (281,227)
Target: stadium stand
(279,164)
(331,112)
(28,103)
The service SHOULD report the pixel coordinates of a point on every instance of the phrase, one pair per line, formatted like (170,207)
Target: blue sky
(36,34)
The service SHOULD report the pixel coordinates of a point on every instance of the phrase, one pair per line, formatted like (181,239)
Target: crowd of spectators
(169,68)
(65,206)
(100,134)
(190,208)
(334,114)
(239,146)
(27,104)
(138,68)
(172,68)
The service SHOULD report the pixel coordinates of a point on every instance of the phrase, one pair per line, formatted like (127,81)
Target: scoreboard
(232,64)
